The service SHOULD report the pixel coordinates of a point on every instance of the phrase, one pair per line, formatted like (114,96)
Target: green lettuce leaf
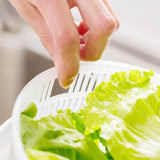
(120,121)
(34,154)
(127,108)
(60,135)
(30,111)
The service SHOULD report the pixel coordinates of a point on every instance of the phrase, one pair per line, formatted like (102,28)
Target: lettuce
(34,154)
(60,136)
(120,121)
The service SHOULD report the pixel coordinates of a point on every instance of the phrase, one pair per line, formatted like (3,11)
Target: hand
(66,42)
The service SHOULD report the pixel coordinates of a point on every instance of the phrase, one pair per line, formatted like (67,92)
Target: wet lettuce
(120,121)
(58,137)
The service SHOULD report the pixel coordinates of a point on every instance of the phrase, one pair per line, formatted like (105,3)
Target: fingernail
(67,83)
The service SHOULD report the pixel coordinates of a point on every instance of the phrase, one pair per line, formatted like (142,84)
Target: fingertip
(66,73)
(67,83)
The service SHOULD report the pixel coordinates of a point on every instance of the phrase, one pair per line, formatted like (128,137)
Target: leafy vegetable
(58,135)
(120,121)
(34,154)
(30,111)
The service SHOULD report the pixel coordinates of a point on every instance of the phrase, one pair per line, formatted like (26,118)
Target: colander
(44,92)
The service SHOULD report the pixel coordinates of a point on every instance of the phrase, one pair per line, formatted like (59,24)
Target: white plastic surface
(39,90)
(5,140)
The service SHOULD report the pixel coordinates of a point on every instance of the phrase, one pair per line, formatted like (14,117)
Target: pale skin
(66,42)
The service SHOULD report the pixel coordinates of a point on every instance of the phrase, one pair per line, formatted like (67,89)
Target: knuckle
(108,26)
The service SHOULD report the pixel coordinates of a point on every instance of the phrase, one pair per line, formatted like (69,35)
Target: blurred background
(22,56)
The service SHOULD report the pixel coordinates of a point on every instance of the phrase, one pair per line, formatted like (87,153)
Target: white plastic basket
(40,90)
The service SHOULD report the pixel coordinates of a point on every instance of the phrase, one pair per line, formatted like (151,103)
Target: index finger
(61,24)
